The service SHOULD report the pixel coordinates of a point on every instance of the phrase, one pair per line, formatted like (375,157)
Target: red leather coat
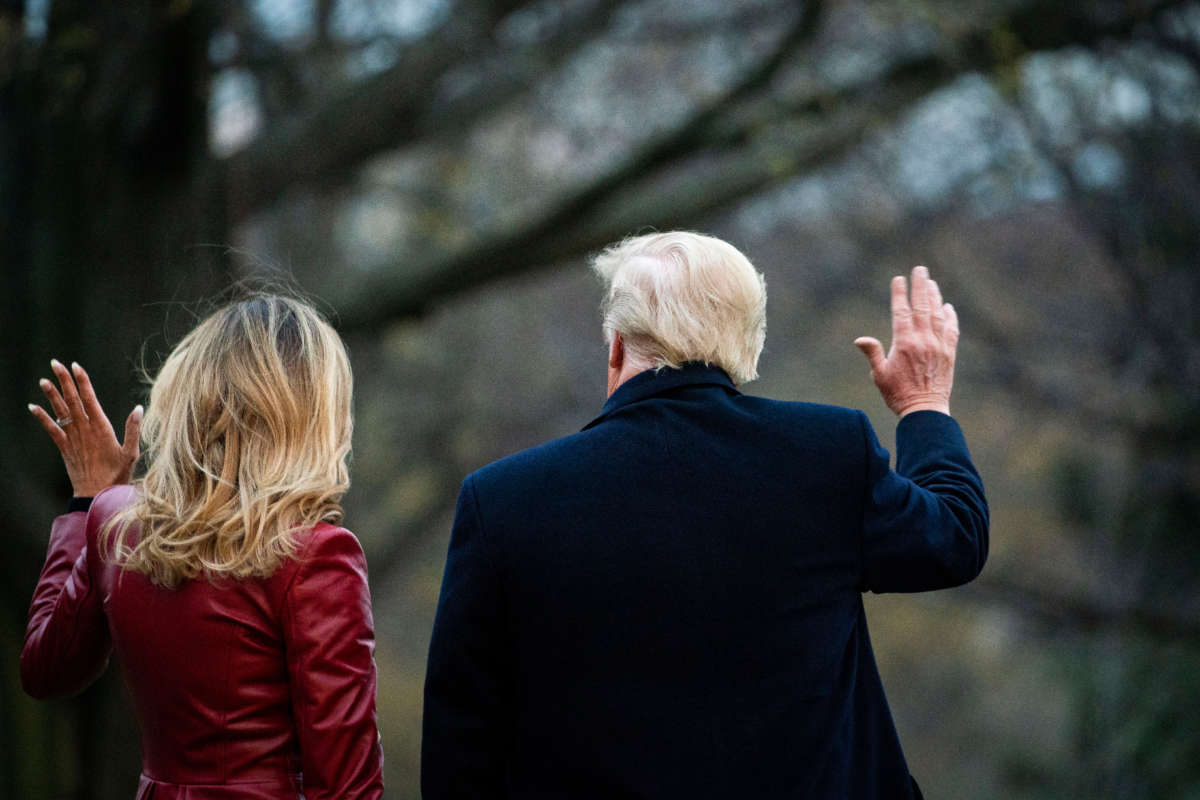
(250,689)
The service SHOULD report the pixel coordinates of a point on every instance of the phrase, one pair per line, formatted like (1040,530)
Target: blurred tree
(1123,147)
(1135,738)
(137,139)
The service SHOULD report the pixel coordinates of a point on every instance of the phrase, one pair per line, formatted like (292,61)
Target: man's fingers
(937,313)
(901,312)
(920,298)
(950,332)
(56,433)
(67,386)
(87,394)
(873,350)
(133,430)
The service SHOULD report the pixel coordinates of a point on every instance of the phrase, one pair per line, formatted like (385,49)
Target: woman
(238,610)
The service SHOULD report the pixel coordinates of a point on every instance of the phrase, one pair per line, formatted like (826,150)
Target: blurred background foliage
(435,171)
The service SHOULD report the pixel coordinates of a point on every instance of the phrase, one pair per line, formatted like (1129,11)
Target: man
(668,603)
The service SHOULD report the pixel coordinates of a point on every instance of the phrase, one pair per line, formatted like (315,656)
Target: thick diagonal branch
(644,190)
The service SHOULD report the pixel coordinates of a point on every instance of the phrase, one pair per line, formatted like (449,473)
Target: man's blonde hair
(247,434)
(679,296)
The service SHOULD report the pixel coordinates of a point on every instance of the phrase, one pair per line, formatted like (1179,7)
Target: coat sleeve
(925,524)
(67,641)
(467,684)
(329,638)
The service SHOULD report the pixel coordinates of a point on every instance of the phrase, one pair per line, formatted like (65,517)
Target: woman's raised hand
(90,450)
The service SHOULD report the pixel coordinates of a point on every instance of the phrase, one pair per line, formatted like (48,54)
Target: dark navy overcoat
(668,604)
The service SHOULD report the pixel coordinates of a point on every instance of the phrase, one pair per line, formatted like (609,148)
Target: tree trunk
(103,157)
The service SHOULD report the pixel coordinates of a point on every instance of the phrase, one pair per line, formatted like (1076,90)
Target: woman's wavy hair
(246,435)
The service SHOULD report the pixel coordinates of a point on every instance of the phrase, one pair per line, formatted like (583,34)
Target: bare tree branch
(1080,612)
(584,220)
(1006,359)
(324,20)
(396,107)
(681,30)
(1186,47)
(557,234)
(1124,232)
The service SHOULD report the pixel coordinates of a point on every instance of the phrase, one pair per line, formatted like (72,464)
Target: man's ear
(616,352)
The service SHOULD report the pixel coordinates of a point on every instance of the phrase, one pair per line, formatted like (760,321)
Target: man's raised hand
(918,372)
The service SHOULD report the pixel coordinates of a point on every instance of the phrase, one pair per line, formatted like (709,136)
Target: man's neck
(629,368)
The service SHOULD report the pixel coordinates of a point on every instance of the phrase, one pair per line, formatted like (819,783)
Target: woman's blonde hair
(246,435)
(679,296)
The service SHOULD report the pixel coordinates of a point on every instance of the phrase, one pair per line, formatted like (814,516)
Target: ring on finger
(62,422)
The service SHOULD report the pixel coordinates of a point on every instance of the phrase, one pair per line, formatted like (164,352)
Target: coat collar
(652,382)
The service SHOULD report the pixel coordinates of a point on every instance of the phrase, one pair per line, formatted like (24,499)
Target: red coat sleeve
(67,642)
(330,640)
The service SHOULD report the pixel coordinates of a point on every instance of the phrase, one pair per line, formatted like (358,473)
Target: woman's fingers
(56,433)
(129,448)
(133,432)
(70,393)
(93,456)
(88,395)
(57,404)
